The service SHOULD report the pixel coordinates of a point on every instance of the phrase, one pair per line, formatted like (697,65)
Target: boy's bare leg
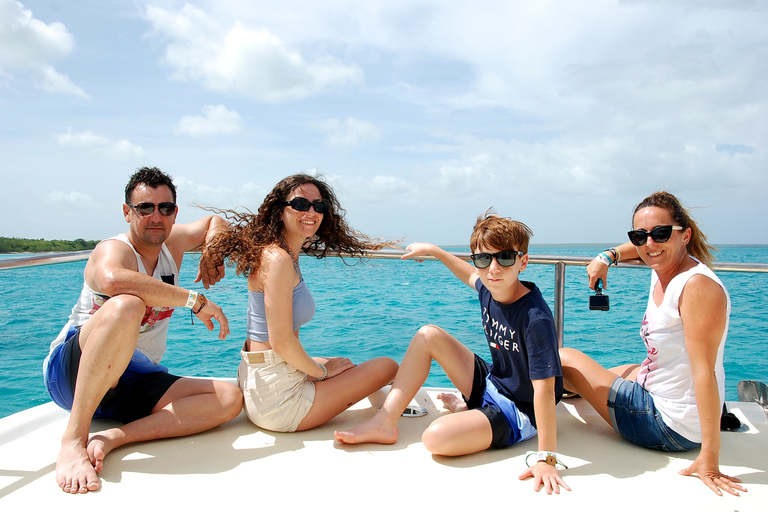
(429,343)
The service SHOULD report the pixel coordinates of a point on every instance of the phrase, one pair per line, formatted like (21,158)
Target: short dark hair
(151,177)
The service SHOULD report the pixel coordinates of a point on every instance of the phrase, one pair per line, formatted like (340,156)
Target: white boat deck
(238,467)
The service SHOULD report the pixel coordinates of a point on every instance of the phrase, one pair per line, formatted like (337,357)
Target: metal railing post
(559,311)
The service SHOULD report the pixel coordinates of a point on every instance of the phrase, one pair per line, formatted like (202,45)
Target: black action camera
(598,301)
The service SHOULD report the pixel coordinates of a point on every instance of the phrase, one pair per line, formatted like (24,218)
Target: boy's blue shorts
(509,424)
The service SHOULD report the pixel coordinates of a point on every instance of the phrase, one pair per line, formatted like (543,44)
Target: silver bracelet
(325,371)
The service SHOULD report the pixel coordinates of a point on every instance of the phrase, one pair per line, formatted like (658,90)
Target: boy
(506,402)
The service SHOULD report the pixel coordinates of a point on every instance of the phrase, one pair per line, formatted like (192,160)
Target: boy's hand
(413,251)
(545,476)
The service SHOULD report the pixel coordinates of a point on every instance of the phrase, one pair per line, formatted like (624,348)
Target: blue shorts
(508,424)
(635,418)
(140,388)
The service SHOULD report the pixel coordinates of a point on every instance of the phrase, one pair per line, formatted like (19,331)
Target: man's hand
(212,310)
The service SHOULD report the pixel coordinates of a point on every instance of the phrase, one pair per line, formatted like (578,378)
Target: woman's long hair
(243,244)
(697,245)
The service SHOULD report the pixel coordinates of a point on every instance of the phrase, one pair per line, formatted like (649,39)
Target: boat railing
(560,263)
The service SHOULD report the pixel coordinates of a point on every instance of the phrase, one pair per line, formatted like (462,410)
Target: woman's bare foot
(378,429)
(452,402)
(74,471)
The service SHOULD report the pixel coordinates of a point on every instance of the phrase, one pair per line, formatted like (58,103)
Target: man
(105,362)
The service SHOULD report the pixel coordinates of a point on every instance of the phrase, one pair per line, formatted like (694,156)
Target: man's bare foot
(452,402)
(74,471)
(376,430)
(98,448)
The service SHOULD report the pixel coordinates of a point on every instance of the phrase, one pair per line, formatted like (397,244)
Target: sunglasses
(301,204)
(144,209)
(660,234)
(505,258)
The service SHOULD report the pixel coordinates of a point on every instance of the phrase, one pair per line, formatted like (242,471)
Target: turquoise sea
(373,308)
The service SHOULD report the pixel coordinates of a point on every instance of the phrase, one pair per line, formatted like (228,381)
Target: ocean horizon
(372,308)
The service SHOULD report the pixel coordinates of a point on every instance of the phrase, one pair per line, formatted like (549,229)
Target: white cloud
(112,150)
(243,61)
(350,132)
(216,120)
(74,199)
(28,45)
(247,195)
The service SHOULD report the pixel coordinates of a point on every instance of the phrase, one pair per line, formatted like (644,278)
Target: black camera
(598,301)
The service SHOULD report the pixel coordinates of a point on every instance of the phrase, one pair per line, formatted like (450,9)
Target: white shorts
(277,395)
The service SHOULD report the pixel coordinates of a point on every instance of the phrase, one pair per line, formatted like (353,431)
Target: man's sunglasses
(301,204)
(660,234)
(144,209)
(505,258)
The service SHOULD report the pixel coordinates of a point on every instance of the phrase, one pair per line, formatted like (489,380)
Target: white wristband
(191,299)
(602,258)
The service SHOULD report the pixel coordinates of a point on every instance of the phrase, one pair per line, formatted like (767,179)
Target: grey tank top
(303,311)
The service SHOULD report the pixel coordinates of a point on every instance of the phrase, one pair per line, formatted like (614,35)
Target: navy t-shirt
(523,344)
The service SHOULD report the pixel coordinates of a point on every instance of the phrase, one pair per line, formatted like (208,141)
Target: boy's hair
(151,177)
(500,233)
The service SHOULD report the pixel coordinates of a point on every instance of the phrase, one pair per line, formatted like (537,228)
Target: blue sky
(421,113)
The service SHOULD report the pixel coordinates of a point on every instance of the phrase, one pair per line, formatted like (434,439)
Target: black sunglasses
(144,209)
(660,234)
(505,258)
(301,204)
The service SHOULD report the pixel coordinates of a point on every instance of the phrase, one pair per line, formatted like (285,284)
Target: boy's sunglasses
(505,258)
(144,209)
(660,234)
(301,204)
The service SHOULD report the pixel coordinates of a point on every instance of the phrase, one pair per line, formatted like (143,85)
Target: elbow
(112,284)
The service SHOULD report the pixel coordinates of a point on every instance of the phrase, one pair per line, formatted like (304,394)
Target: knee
(428,335)
(434,438)
(567,356)
(389,366)
(124,308)
(231,399)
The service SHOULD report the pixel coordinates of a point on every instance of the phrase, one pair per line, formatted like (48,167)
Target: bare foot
(98,448)
(376,430)
(452,402)
(74,471)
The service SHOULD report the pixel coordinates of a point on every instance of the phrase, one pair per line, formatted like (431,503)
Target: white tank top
(666,371)
(154,325)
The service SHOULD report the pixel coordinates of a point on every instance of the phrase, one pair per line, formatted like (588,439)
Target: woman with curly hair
(286,389)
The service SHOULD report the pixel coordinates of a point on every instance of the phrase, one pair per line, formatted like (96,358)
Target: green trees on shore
(29,245)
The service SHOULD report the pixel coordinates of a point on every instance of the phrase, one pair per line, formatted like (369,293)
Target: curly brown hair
(243,244)
(697,245)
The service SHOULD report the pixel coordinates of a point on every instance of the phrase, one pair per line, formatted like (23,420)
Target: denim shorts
(635,418)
